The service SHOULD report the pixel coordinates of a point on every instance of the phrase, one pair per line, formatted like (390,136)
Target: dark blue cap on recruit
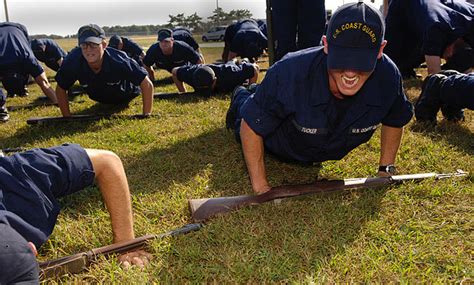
(91,33)
(355,33)
(203,77)
(17,260)
(164,34)
(114,41)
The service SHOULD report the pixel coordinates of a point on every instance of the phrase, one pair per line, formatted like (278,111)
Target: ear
(382,46)
(325,43)
(104,44)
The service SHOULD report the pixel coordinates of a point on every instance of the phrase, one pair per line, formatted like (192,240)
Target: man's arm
(63,103)
(252,147)
(255,75)
(433,63)
(147,95)
(112,181)
(179,84)
(151,73)
(43,83)
(60,61)
(390,139)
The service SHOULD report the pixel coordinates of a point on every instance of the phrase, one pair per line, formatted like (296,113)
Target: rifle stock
(203,209)
(79,262)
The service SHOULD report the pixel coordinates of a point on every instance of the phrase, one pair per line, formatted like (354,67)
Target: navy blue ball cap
(17,261)
(114,41)
(164,34)
(203,77)
(91,33)
(355,33)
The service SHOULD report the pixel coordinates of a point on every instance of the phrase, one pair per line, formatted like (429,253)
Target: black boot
(428,104)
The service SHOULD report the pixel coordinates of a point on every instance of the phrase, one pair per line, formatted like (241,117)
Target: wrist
(389,168)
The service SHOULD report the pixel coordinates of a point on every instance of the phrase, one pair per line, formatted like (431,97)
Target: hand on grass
(138,258)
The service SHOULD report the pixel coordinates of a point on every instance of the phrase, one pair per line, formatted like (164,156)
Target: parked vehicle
(214,34)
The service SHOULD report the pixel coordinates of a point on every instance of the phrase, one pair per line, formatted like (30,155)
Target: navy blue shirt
(131,48)
(15,51)
(228,75)
(245,38)
(119,74)
(31,182)
(184,35)
(432,24)
(182,54)
(50,55)
(300,119)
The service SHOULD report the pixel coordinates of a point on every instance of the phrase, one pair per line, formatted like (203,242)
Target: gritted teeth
(350,81)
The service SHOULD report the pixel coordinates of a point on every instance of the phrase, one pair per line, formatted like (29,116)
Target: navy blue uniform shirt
(429,24)
(228,75)
(182,54)
(131,48)
(117,81)
(184,35)
(50,55)
(31,182)
(245,38)
(16,55)
(300,119)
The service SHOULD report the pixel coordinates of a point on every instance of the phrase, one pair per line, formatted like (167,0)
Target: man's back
(14,44)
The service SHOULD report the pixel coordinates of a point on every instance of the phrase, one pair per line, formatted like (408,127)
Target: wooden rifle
(78,262)
(203,209)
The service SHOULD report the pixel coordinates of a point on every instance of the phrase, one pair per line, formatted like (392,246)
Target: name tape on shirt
(363,130)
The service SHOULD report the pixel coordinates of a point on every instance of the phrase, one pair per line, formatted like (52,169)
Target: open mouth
(349,82)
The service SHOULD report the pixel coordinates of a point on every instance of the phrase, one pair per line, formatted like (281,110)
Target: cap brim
(352,58)
(95,40)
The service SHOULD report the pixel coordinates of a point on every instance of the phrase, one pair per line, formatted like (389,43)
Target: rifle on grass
(79,262)
(172,95)
(203,209)
(84,118)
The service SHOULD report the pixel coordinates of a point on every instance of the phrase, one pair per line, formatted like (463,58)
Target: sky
(64,17)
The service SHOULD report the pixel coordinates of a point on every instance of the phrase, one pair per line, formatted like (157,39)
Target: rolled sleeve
(265,110)
(78,172)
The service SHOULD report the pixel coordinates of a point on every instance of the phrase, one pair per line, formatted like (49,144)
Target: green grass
(409,233)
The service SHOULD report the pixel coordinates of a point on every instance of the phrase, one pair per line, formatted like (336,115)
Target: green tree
(219,16)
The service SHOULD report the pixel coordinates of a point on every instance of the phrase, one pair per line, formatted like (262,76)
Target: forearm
(43,83)
(390,139)
(225,52)
(147,95)
(179,84)
(253,150)
(60,61)
(63,102)
(255,75)
(113,185)
(201,56)
(151,73)
(433,63)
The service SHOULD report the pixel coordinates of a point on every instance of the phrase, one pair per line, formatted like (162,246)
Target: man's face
(93,52)
(347,82)
(120,46)
(166,46)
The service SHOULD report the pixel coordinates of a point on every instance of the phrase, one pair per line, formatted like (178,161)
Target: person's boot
(451,113)
(4,116)
(428,104)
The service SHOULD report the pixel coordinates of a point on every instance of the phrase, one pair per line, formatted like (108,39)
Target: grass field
(409,233)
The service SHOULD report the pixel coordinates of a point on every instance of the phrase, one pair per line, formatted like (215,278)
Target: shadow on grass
(455,134)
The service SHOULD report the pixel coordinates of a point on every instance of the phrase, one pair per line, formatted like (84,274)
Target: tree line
(194,22)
